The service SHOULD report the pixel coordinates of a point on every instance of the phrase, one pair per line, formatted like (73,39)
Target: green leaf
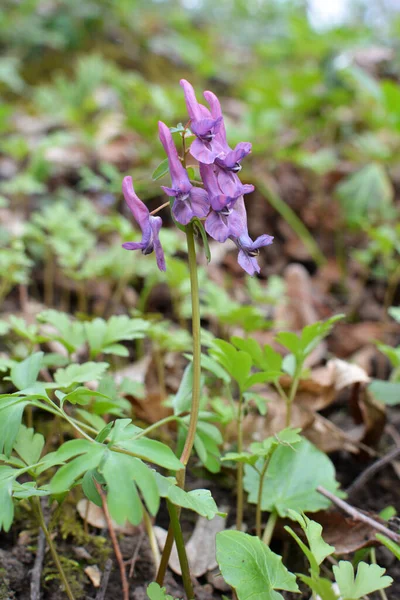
(7,475)
(10,421)
(89,487)
(91,455)
(387,392)
(318,549)
(161,170)
(153,451)
(70,333)
(29,445)
(25,373)
(200,501)
(291,480)
(320,586)
(155,592)
(251,568)
(199,229)
(390,545)
(103,336)
(370,578)
(182,399)
(80,395)
(394,312)
(75,373)
(366,194)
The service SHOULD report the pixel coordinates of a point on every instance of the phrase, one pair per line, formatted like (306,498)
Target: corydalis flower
(190,201)
(205,147)
(149,225)
(227,159)
(249,250)
(223,221)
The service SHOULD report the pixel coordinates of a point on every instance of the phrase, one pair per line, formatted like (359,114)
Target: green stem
(259,497)
(152,539)
(159,362)
(156,426)
(42,523)
(239,492)
(291,397)
(194,413)
(269,528)
(180,546)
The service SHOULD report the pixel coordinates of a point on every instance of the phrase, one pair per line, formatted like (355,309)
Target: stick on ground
(372,469)
(38,566)
(358,515)
(101,594)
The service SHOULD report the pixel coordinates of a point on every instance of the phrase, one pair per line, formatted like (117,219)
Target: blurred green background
(314,86)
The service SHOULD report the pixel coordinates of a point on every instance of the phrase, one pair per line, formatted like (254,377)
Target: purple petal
(205,153)
(204,126)
(200,202)
(182,212)
(228,182)
(248,263)
(209,178)
(179,176)
(169,191)
(216,113)
(220,202)
(191,103)
(263,240)
(216,227)
(156,223)
(133,245)
(236,224)
(136,206)
(242,149)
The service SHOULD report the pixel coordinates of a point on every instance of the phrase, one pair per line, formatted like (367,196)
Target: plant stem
(239,489)
(152,539)
(373,561)
(194,413)
(269,528)
(291,397)
(42,523)
(259,497)
(113,536)
(180,546)
(159,361)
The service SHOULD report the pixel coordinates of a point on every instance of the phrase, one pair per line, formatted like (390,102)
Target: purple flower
(223,221)
(249,250)
(189,201)
(205,147)
(149,225)
(228,159)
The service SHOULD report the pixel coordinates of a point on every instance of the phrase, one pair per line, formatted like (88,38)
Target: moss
(5,592)
(73,572)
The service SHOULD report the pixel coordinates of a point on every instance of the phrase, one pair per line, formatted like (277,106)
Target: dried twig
(117,549)
(136,554)
(370,471)
(358,515)
(38,566)
(101,593)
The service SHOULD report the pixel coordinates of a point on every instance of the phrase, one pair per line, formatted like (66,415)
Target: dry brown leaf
(346,373)
(94,574)
(347,338)
(344,533)
(95,517)
(200,549)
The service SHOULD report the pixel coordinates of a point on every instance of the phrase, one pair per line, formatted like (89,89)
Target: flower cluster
(218,202)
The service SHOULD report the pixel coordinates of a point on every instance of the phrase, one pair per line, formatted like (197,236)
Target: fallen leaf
(95,517)
(94,574)
(346,373)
